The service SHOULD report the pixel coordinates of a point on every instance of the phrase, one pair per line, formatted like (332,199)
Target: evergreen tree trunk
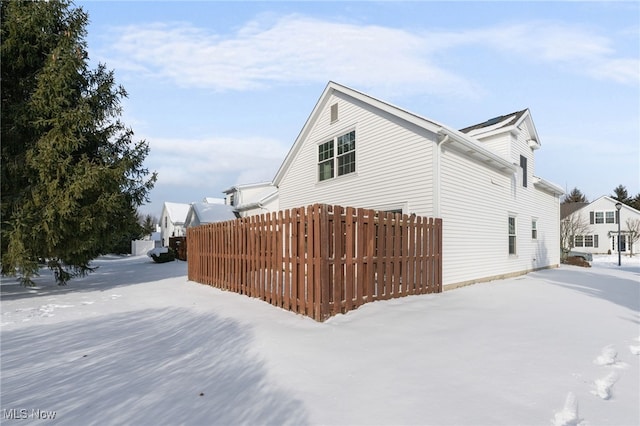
(71,175)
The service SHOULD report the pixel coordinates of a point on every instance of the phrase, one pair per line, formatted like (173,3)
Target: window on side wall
(523,165)
(512,235)
(337,157)
(534,229)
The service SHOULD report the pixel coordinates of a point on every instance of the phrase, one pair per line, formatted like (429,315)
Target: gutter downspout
(437,211)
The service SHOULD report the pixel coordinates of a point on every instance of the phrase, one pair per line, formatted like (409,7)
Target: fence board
(321,260)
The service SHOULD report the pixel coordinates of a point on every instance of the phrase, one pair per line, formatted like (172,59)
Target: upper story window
(523,165)
(599,217)
(610,217)
(602,217)
(337,156)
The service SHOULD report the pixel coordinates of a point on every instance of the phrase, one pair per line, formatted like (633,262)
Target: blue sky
(220,90)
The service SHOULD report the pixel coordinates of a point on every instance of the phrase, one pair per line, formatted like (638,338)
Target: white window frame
(328,163)
(588,240)
(513,234)
(596,218)
(610,217)
(534,229)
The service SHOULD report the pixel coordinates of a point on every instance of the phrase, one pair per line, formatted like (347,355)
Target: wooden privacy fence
(320,260)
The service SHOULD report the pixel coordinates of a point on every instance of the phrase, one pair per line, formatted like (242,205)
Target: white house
(203,213)
(213,200)
(601,234)
(172,221)
(252,199)
(499,218)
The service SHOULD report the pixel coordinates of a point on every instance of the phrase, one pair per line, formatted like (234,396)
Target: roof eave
(547,186)
(472,149)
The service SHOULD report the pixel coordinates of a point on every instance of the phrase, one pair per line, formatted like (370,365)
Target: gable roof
(177,212)
(210,212)
(614,201)
(505,123)
(500,122)
(454,138)
(235,188)
(213,200)
(574,207)
(567,209)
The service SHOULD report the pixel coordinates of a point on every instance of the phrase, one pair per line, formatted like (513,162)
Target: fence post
(320,260)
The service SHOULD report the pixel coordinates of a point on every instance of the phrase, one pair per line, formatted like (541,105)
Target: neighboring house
(601,218)
(203,213)
(172,221)
(499,219)
(252,199)
(213,200)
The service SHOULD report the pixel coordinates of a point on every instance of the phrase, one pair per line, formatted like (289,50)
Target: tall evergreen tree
(575,196)
(72,176)
(620,194)
(148,224)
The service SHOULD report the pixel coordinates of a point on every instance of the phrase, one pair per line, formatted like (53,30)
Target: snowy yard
(136,343)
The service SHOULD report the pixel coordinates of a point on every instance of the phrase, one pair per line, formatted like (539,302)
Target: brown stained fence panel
(320,260)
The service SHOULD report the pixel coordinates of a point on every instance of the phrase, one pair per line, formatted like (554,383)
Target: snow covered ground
(136,343)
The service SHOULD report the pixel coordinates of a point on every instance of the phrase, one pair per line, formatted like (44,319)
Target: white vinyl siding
(337,157)
(466,187)
(393,164)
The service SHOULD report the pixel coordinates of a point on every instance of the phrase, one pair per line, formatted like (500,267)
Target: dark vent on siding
(334,112)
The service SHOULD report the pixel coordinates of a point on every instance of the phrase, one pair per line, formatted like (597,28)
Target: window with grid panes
(512,235)
(337,157)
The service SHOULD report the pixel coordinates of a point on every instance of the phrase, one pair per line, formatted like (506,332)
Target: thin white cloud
(572,47)
(201,162)
(299,49)
(295,49)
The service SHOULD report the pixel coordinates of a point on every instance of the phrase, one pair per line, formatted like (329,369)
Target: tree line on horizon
(620,193)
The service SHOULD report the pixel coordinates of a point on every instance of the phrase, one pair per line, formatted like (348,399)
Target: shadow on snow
(112,272)
(146,367)
(597,282)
